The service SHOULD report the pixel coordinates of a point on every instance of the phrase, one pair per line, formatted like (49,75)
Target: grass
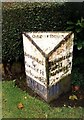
(0,99)
(33,107)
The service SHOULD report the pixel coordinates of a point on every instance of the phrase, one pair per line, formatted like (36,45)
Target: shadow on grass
(62,100)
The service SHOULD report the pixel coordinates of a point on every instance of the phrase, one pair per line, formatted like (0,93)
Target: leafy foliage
(77,77)
(20,17)
(76,24)
(78,29)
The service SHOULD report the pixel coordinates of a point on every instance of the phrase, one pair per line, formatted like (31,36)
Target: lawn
(32,106)
(0,100)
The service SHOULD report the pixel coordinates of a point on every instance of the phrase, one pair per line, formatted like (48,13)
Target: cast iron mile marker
(48,62)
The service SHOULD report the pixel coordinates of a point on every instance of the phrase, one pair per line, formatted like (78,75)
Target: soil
(62,100)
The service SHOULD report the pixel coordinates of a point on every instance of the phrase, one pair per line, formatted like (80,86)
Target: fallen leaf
(20,106)
(73,97)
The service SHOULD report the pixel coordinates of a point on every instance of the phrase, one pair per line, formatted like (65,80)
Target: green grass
(0,99)
(33,107)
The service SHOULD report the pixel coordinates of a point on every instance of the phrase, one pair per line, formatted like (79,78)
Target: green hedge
(20,17)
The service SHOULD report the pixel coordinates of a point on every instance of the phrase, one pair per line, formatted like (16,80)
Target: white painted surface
(47,41)
(35,70)
(65,49)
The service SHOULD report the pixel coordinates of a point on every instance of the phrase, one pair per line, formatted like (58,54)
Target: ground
(63,98)
(32,106)
(16,91)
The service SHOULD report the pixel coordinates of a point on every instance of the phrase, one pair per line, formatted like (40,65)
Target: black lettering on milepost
(34,58)
(38,70)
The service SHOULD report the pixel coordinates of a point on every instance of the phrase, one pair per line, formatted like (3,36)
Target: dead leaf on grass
(73,97)
(20,106)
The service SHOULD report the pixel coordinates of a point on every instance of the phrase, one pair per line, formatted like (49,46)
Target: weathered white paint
(35,65)
(65,49)
(47,40)
(35,70)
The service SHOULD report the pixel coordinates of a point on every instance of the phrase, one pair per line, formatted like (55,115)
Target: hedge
(19,17)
